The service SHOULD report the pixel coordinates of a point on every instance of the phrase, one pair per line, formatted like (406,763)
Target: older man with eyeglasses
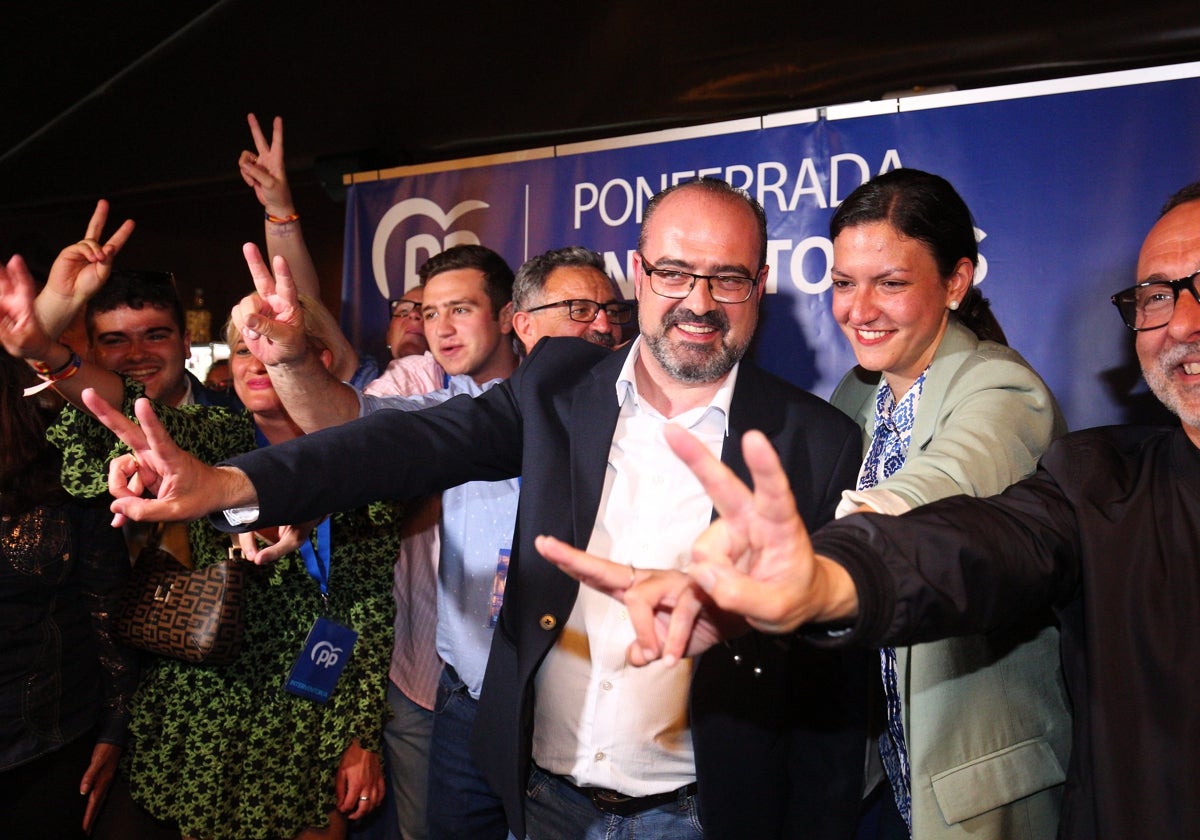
(566,292)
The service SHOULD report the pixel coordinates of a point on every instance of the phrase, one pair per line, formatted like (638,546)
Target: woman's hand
(276,542)
(264,171)
(358,784)
(21,332)
(96,781)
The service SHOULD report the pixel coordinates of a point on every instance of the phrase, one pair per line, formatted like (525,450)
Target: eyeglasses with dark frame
(1150,305)
(678,284)
(401,308)
(586,311)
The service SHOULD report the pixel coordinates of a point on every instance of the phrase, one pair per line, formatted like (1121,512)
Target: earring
(953,305)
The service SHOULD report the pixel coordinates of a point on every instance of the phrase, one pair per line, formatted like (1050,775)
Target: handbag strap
(154,535)
(234,553)
(173,538)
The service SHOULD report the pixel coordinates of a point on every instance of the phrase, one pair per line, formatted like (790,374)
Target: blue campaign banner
(1064,180)
(393,226)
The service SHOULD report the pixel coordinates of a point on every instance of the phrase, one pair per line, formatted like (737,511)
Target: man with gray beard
(756,739)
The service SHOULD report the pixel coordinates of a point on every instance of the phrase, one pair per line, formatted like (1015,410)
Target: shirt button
(600,756)
(548,622)
(606,685)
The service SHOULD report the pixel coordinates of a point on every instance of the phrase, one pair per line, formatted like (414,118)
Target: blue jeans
(462,805)
(556,811)
(406,740)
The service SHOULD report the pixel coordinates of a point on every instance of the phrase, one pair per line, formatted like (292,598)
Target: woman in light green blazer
(946,408)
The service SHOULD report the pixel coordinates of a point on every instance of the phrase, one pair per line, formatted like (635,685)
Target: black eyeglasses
(1150,305)
(586,311)
(402,308)
(677,284)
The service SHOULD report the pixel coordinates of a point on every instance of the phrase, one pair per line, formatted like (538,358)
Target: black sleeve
(103,572)
(957,566)
(386,456)
(393,455)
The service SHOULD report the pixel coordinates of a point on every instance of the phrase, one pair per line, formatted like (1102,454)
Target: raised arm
(23,336)
(265,172)
(272,322)
(79,272)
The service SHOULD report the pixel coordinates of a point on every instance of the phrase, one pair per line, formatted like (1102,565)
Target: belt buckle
(612,802)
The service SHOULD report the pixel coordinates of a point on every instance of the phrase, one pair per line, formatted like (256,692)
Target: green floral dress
(224,750)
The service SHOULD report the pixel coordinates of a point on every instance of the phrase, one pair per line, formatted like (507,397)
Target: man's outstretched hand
(183,488)
(756,559)
(670,615)
(753,566)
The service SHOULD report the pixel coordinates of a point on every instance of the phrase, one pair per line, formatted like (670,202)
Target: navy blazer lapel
(592,420)
(748,409)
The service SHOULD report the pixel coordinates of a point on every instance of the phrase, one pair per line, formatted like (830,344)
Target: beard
(691,362)
(1183,400)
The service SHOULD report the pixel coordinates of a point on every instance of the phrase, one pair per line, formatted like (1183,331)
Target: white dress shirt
(599,721)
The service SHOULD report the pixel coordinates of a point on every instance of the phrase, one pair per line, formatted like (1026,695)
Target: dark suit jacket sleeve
(960,565)
(388,455)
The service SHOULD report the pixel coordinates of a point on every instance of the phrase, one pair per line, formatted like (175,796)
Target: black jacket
(1107,531)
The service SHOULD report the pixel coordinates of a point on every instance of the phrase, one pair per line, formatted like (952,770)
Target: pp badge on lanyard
(497,599)
(329,644)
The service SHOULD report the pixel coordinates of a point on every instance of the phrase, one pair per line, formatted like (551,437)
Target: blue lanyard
(317,562)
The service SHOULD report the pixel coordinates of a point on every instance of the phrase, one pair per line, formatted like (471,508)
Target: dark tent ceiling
(145,102)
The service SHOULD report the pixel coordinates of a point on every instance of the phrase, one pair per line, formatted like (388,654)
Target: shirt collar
(461,383)
(189,396)
(626,387)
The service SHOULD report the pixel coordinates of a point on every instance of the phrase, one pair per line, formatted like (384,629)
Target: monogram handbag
(189,614)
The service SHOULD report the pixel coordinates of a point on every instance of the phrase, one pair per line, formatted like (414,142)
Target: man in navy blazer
(759,738)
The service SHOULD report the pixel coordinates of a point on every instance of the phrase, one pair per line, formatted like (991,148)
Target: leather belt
(618,804)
